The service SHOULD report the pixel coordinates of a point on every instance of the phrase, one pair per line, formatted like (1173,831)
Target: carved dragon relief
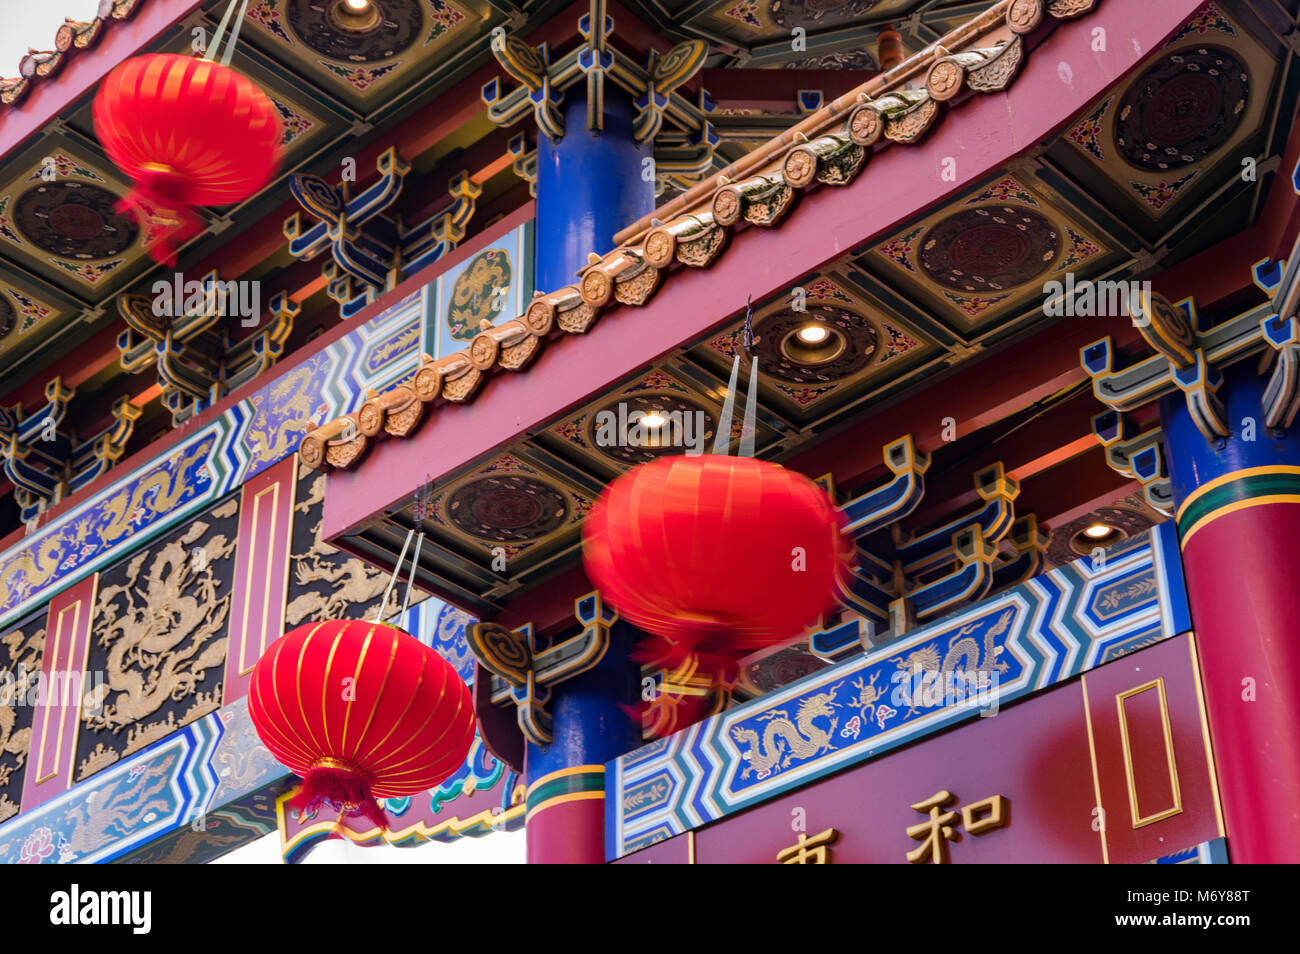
(335,585)
(25,649)
(164,629)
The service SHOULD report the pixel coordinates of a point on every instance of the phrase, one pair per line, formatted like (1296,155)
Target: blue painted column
(589,185)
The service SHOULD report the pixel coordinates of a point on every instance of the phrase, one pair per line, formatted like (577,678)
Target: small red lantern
(716,555)
(188,132)
(361,711)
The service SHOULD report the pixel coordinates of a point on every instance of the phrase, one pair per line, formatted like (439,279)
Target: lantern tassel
(340,788)
(157,201)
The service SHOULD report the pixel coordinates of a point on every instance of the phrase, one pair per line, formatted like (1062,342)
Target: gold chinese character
(809,851)
(996,817)
(933,834)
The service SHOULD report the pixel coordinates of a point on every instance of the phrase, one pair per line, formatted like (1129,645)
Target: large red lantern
(188,132)
(361,711)
(716,555)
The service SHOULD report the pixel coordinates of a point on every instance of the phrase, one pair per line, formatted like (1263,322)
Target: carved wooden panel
(324,583)
(20,665)
(160,638)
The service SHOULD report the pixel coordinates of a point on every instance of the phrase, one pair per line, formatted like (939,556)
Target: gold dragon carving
(25,653)
(292,397)
(164,629)
(352,582)
(784,739)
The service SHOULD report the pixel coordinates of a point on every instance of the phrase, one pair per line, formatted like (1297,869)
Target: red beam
(984,134)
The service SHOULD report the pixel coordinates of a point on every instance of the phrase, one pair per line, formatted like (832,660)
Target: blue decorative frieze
(1022,641)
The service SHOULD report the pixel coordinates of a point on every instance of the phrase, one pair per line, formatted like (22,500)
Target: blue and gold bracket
(523,672)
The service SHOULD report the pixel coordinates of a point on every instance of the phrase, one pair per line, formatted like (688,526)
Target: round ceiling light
(813,343)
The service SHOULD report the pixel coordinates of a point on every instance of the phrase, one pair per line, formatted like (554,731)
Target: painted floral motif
(1003,190)
(803,396)
(898,344)
(1080,250)
(5,222)
(88,273)
(38,846)
(1162,193)
(31,311)
(266,12)
(294,123)
(656,381)
(1086,133)
(745,13)
(507,462)
(974,306)
(64,166)
(1207,18)
(572,431)
(823,289)
(360,77)
(444,17)
(900,250)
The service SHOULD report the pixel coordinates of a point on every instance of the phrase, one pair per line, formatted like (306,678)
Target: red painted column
(1238,513)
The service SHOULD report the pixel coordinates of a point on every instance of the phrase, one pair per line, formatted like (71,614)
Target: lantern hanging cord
(749,427)
(379,614)
(421,508)
(221,32)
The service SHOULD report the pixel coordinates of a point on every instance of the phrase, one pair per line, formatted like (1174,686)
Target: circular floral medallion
(618,430)
(852,342)
(477,294)
(1182,109)
(74,220)
(508,508)
(989,249)
(380,31)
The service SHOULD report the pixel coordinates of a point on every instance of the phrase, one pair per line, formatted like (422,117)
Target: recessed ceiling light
(813,334)
(357,5)
(1098,530)
(653,419)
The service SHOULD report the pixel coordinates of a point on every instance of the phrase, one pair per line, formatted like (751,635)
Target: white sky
(33,23)
(498,848)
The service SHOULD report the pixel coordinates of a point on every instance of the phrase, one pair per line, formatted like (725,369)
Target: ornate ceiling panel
(989,254)
(1155,145)
(363,57)
(863,346)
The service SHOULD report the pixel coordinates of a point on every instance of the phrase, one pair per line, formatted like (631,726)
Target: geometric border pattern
(1033,636)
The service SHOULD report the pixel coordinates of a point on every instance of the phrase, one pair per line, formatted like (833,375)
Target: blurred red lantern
(188,132)
(361,711)
(716,555)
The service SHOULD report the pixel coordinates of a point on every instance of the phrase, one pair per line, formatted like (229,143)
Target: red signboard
(1114,767)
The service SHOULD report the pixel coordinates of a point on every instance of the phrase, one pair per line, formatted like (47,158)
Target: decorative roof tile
(830,147)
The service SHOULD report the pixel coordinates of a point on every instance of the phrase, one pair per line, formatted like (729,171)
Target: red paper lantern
(716,555)
(360,710)
(188,132)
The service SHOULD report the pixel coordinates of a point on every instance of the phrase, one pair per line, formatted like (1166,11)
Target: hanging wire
(379,614)
(750,426)
(221,32)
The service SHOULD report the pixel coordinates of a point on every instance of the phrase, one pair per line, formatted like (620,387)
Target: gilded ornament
(637,290)
(483,351)
(370,419)
(539,318)
(1064,9)
(1025,15)
(726,206)
(945,80)
(800,167)
(427,382)
(595,287)
(865,125)
(659,247)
